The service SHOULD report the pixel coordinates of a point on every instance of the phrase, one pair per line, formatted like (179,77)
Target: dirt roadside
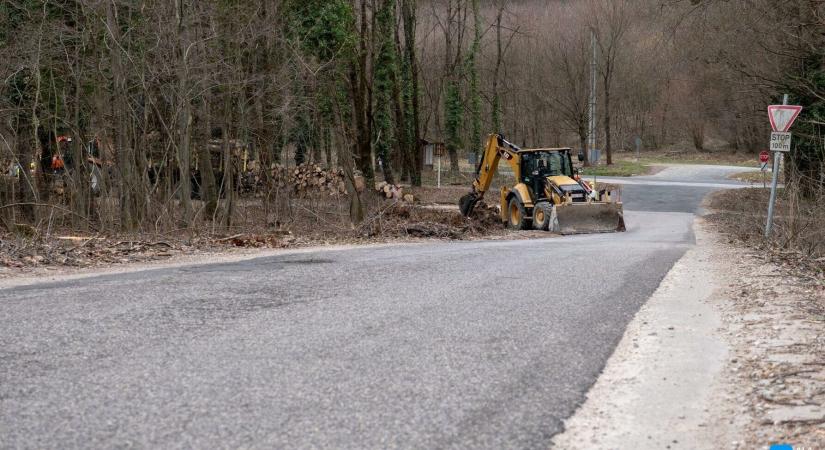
(63,252)
(727,353)
(47,260)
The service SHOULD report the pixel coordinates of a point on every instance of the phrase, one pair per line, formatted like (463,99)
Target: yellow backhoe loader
(548,193)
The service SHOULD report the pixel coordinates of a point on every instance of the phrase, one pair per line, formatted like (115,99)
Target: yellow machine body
(547,194)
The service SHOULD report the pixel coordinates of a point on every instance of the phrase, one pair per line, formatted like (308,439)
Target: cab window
(556,163)
(547,164)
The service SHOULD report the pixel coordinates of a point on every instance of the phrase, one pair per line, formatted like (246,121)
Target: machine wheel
(542,216)
(516,215)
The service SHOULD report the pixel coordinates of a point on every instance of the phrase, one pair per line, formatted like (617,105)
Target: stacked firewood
(310,178)
(393,191)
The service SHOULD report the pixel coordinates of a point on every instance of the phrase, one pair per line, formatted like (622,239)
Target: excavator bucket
(585,218)
(467,203)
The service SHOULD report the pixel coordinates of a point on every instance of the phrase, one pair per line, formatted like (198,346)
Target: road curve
(463,344)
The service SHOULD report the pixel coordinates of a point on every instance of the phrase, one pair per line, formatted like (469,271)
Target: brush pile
(402,219)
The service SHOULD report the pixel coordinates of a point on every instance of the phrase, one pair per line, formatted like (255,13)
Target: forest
(159,115)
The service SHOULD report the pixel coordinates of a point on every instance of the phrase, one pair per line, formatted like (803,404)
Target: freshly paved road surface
(466,344)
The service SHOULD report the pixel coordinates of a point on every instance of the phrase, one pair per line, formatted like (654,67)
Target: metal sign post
(439,169)
(777,162)
(591,110)
(438,152)
(781,117)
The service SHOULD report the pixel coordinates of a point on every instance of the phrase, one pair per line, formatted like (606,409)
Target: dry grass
(283,222)
(755,177)
(798,238)
(725,157)
(444,195)
(620,168)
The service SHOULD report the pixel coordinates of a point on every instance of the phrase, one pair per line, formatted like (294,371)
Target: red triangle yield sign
(783,116)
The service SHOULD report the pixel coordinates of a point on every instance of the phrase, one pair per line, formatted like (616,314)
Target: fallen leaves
(83,251)
(777,333)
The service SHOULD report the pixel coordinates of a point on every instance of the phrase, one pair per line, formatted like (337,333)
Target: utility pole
(591,113)
(777,163)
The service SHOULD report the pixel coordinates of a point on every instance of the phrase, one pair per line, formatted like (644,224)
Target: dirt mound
(403,219)
(486,214)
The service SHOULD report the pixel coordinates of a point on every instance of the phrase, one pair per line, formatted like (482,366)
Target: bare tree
(609,22)
(568,51)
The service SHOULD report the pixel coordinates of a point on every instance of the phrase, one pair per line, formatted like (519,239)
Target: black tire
(542,216)
(517,215)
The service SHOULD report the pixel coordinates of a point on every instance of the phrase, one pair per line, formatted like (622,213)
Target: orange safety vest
(57,162)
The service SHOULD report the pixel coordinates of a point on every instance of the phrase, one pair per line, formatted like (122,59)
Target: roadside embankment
(725,354)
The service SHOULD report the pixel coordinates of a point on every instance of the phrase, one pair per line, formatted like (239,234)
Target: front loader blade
(585,218)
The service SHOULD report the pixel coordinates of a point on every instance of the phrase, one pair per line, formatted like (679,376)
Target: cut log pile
(393,191)
(310,178)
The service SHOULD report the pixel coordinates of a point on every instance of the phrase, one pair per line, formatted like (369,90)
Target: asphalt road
(465,344)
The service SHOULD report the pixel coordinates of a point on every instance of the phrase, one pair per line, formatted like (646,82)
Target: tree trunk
(183,157)
(184,120)
(129,218)
(583,143)
(208,190)
(361,108)
(327,142)
(81,193)
(227,182)
(496,106)
(698,135)
(26,187)
(414,149)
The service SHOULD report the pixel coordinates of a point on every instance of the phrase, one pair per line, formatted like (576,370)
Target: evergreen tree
(385,71)
(410,92)
(323,31)
(805,163)
(454,117)
(475,96)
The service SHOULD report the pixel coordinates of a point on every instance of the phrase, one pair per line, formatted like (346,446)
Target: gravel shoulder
(727,353)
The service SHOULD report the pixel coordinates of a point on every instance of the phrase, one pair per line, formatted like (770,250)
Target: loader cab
(537,165)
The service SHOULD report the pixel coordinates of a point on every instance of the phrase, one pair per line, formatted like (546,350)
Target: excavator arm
(497,148)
